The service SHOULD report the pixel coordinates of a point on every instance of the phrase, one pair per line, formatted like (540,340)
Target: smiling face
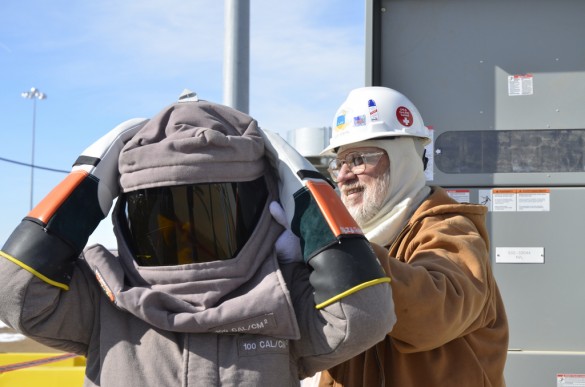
(364,194)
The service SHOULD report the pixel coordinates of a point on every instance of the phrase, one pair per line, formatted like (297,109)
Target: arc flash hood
(193,184)
(193,142)
(188,145)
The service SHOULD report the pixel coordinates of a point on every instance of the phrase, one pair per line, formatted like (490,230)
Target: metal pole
(237,54)
(33,94)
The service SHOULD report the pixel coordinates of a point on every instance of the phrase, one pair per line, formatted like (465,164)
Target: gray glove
(288,245)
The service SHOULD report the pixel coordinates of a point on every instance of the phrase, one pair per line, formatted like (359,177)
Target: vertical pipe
(373,43)
(236,72)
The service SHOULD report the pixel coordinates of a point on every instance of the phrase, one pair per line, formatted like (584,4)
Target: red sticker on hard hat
(404,116)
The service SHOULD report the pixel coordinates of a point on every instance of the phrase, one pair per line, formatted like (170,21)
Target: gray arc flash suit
(243,321)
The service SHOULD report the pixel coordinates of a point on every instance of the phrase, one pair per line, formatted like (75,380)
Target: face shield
(192,223)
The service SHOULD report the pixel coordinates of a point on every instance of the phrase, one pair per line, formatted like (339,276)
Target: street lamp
(33,94)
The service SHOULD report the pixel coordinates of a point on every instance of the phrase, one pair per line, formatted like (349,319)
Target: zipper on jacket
(380,368)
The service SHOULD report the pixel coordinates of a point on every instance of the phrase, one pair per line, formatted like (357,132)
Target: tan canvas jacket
(451,325)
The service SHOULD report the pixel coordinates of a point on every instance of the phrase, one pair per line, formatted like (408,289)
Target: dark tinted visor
(193,223)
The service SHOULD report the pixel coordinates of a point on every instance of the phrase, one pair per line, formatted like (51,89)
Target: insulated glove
(332,243)
(50,238)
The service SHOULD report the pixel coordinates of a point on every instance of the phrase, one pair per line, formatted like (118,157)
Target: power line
(33,166)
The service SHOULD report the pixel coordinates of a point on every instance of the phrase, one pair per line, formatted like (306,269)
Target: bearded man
(451,327)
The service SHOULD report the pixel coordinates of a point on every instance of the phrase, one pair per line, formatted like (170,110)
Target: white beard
(373,199)
(387,204)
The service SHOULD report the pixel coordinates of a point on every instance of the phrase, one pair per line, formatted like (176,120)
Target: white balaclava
(406,191)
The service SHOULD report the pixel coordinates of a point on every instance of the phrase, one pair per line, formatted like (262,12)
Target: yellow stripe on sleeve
(34,272)
(353,290)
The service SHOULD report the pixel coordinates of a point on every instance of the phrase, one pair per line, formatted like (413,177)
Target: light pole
(33,94)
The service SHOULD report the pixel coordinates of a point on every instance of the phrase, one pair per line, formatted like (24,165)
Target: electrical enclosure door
(502,85)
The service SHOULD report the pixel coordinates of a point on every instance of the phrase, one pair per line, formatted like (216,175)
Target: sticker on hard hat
(373,110)
(404,116)
(359,120)
(340,123)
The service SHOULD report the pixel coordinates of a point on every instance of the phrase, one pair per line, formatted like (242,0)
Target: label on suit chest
(259,345)
(252,325)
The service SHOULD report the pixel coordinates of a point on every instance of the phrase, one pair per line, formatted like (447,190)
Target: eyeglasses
(356,162)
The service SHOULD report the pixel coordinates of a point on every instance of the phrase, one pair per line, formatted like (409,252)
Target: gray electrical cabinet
(502,86)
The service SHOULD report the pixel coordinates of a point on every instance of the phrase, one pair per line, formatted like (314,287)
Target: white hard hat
(374,112)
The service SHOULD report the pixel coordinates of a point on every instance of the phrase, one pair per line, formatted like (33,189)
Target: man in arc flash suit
(451,327)
(195,295)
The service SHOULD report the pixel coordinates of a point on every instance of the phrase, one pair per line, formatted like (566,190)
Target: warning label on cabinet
(461,195)
(520,85)
(570,380)
(521,200)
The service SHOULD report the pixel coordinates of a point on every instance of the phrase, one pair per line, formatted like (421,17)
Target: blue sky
(103,62)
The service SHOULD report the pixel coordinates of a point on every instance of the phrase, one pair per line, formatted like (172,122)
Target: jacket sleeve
(441,284)
(47,314)
(340,330)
